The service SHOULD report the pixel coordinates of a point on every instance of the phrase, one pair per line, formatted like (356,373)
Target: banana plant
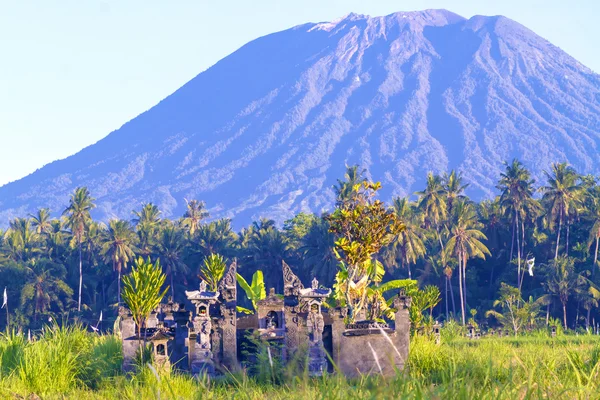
(254,292)
(368,297)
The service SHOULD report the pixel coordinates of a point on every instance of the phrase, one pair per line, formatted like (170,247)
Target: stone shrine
(206,340)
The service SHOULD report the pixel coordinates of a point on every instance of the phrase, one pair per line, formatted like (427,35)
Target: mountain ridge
(267,130)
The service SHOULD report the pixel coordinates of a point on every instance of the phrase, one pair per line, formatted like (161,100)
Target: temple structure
(205,340)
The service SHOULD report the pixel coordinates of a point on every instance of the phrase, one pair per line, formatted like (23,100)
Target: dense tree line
(480,255)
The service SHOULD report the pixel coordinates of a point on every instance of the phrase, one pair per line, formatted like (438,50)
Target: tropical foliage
(540,238)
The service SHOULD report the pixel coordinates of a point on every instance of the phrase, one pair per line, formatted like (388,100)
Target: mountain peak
(432,17)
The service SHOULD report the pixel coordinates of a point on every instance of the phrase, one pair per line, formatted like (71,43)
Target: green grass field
(69,363)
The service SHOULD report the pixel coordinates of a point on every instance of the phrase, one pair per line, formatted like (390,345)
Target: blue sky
(71,71)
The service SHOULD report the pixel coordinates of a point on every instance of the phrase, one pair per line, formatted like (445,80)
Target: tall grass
(70,363)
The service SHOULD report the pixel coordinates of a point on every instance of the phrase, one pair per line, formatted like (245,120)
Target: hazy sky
(71,71)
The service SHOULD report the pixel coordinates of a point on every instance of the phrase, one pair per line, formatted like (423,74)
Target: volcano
(267,130)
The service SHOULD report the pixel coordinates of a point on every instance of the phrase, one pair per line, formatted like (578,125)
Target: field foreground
(69,363)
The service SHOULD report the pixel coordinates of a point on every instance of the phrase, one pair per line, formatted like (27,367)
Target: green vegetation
(142,292)
(524,262)
(543,241)
(70,363)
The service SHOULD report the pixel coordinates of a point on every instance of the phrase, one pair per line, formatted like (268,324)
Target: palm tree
(57,238)
(465,243)
(516,198)
(561,197)
(454,188)
(78,218)
(146,222)
(194,215)
(563,282)
(21,243)
(215,237)
(432,203)
(316,248)
(408,244)
(93,242)
(118,246)
(593,215)
(171,244)
(45,288)
(41,222)
(344,188)
(265,247)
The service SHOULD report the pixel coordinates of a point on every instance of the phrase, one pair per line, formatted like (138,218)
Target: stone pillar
(180,347)
(228,328)
(317,363)
(199,344)
(337,330)
(402,325)
(293,323)
(201,358)
(128,333)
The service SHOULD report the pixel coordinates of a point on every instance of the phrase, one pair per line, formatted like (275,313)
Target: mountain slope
(267,130)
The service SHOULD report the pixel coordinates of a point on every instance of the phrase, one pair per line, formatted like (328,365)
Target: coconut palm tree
(21,243)
(265,247)
(147,222)
(465,243)
(118,248)
(316,249)
(215,237)
(170,248)
(78,218)
(593,215)
(408,244)
(432,203)
(194,215)
(57,239)
(516,198)
(344,188)
(454,188)
(563,282)
(45,289)
(41,221)
(561,197)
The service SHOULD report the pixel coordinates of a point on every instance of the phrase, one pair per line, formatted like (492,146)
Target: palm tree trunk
(518,252)
(576,316)
(558,235)
(547,313)
(523,240)
(464,264)
(172,286)
(564,314)
(460,288)
(567,248)
(512,239)
(452,297)
(119,273)
(587,319)
(595,258)
(80,277)
(446,300)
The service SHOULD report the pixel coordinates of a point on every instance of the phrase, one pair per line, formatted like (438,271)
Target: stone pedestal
(200,350)
(228,324)
(128,333)
(199,344)
(371,353)
(311,301)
